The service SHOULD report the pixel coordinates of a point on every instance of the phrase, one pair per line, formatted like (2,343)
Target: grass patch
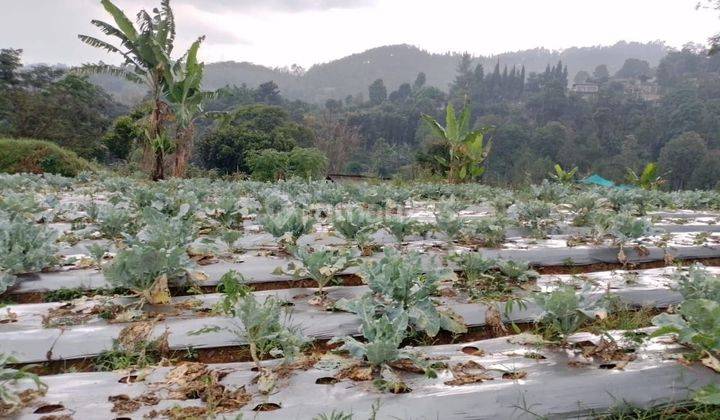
(684,410)
(39,156)
(63,294)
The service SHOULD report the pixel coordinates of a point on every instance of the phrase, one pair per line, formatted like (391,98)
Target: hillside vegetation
(396,64)
(39,156)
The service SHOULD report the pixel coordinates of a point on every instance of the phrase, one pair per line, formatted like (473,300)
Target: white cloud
(282,32)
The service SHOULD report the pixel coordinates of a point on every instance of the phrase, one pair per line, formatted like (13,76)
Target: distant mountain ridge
(396,64)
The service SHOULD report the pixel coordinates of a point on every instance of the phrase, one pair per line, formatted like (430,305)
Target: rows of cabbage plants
(420,258)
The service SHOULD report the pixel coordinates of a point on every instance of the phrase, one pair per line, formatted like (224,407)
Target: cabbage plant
(698,283)
(260,325)
(322,264)
(697,326)
(147,271)
(399,284)
(400,227)
(24,248)
(356,225)
(383,336)
(287,225)
(564,312)
(538,216)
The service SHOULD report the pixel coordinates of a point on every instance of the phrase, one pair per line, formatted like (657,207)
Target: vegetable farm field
(199,298)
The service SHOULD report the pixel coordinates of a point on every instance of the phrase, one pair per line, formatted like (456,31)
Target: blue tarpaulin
(596,179)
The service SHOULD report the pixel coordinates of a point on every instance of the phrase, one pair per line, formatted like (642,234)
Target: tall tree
(377,92)
(9,65)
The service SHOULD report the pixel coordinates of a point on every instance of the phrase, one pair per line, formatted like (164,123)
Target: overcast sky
(283,32)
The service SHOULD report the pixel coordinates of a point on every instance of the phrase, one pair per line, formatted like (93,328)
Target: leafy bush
(38,156)
(272,165)
(146,271)
(24,248)
(121,137)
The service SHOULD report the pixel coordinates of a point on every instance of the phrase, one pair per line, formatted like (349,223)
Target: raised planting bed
(509,377)
(51,331)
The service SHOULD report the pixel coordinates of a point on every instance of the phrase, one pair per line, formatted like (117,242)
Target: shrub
(271,165)
(122,135)
(38,156)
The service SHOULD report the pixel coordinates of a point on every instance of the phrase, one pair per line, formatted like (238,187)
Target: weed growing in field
(63,294)
(488,279)
(10,401)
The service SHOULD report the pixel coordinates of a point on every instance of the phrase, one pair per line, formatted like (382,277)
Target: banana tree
(648,179)
(562,176)
(186,98)
(146,50)
(468,150)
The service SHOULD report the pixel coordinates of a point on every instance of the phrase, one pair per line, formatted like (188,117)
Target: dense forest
(660,106)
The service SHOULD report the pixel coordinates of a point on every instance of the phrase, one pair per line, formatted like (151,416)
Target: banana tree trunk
(184,148)
(155,126)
